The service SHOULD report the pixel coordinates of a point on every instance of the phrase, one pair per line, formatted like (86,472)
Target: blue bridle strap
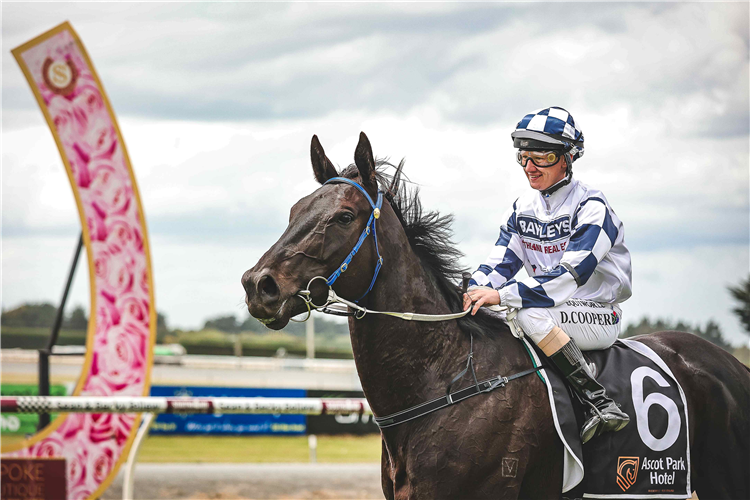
(369,228)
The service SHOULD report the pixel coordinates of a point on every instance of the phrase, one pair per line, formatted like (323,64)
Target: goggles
(541,159)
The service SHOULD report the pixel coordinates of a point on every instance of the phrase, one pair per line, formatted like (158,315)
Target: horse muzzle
(267,301)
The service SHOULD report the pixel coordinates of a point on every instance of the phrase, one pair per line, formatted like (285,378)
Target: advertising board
(25,423)
(38,478)
(340,424)
(228,423)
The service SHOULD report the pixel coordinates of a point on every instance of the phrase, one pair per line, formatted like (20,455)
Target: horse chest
(478,451)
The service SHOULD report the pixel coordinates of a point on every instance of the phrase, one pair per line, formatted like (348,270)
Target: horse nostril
(268,288)
(247,283)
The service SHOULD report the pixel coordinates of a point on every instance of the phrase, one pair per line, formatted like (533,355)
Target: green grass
(239,449)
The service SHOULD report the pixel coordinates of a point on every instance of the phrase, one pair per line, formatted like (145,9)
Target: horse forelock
(430,236)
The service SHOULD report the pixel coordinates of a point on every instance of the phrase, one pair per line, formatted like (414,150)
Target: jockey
(571,244)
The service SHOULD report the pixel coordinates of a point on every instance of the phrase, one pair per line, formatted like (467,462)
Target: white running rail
(155,405)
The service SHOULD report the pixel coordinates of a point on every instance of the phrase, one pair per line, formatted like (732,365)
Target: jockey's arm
(505,259)
(593,235)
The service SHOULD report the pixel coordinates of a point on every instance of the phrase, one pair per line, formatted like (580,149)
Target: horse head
(323,228)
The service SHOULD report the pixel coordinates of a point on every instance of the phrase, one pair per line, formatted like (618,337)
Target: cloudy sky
(217,104)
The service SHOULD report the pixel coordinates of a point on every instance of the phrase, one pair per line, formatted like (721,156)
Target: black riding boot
(603,415)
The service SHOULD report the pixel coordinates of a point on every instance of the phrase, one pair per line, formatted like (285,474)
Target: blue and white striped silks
(571,245)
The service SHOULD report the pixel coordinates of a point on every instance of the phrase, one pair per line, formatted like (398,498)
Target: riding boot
(604,415)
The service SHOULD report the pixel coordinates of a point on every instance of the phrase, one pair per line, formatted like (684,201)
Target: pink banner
(122,327)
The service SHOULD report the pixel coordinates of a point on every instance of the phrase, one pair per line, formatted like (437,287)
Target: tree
(711,332)
(161,323)
(162,330)
(226,324)
(323,327)
(741,294)
(251,325)
(76,320)
(30,315)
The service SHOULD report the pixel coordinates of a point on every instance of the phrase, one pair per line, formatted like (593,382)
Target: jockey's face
(541,178)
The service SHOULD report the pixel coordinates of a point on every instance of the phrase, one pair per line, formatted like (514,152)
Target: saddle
(650,458)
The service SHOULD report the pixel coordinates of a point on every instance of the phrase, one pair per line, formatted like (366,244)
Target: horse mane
(431,238)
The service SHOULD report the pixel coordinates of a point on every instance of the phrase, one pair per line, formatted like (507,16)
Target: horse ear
(322,166)
(365,162)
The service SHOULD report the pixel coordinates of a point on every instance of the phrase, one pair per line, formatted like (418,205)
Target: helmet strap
(568,177)
(569,161)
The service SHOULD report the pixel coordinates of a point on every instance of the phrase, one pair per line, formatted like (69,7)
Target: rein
(340,307)
(333,300)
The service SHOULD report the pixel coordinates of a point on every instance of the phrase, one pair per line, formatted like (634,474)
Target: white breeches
(591,324)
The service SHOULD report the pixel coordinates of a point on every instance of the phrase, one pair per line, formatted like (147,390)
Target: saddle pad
(650,458)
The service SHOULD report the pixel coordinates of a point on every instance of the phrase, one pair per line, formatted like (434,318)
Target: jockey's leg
(593,326)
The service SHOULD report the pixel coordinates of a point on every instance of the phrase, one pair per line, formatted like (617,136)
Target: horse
(459,451)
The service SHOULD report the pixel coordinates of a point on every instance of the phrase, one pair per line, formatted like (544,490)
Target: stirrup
(598,423)
(591,429)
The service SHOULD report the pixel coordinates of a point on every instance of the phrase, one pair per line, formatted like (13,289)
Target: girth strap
(423,409)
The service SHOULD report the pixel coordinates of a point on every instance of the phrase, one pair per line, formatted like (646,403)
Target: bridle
(369,228)
(333,304)
(339,306)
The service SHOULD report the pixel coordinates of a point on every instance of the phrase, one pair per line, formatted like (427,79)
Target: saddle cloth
(650,457)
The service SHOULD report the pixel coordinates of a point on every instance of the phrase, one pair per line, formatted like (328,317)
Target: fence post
(45,353)
(43,368)
(310,336)
(312,442)
(129,479)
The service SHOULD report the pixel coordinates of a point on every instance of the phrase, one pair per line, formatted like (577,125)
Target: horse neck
(403,363)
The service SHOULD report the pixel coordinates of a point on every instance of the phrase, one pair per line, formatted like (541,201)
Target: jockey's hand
(480,297)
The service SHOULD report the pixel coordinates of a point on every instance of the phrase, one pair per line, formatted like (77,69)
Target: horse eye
(345,218)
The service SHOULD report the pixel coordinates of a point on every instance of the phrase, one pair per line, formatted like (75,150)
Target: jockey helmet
(549,129)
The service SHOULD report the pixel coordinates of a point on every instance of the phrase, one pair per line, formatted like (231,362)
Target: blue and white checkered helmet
(547,129)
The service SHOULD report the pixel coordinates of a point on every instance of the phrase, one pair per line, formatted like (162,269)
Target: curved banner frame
(122,323)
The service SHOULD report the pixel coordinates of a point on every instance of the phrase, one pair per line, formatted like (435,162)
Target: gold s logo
(627,471)
(60,76)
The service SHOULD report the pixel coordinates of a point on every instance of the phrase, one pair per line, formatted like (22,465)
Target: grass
(9,439)
(258,449)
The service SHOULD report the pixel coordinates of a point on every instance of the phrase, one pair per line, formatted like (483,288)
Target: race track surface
(256,481)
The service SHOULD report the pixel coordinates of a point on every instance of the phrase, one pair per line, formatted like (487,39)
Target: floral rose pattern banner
(122,326)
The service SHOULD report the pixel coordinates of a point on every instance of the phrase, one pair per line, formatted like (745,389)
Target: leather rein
(339,306)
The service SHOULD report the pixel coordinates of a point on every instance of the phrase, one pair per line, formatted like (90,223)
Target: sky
(217,103)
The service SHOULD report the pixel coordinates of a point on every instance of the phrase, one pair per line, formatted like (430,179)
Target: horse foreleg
(385,473)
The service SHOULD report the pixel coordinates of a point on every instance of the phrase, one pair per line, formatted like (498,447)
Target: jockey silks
(571,244)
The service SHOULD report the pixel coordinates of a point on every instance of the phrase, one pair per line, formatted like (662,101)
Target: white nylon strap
(333,298)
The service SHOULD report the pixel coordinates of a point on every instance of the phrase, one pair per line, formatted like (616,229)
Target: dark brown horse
(458,452)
